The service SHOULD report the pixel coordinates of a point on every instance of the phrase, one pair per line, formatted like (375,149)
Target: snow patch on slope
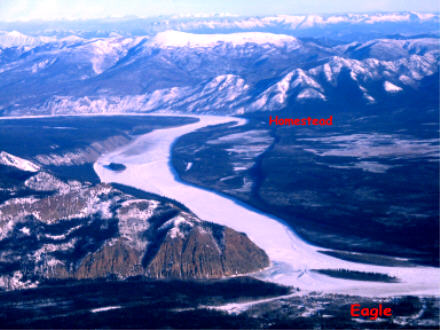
(43,181)
(391,88)
(310,93)
(17,162)
(178,225)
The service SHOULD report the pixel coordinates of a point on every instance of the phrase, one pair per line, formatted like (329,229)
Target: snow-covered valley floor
(147,161)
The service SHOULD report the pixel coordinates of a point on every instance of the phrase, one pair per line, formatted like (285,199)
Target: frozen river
(148,167)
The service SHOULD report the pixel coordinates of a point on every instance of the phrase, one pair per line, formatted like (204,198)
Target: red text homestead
(301,122)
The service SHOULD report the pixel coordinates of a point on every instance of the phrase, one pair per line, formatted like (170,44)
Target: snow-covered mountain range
(350,24)
(231,73)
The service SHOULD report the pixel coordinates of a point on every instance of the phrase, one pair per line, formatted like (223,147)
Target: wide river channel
(148,167)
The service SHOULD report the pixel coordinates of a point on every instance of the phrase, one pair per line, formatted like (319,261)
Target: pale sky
(25,10)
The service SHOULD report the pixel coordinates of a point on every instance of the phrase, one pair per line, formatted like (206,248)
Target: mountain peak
(173,38)
(18,39)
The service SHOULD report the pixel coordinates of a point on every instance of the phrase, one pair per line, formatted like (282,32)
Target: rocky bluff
(77,230)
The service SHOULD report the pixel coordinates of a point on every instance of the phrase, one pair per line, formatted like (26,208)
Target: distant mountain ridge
(302,25)
(226,73)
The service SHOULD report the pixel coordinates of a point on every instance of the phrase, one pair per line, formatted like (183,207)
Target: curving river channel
(148,167)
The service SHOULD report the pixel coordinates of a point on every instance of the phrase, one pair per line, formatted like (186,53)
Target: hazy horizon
(50,10)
